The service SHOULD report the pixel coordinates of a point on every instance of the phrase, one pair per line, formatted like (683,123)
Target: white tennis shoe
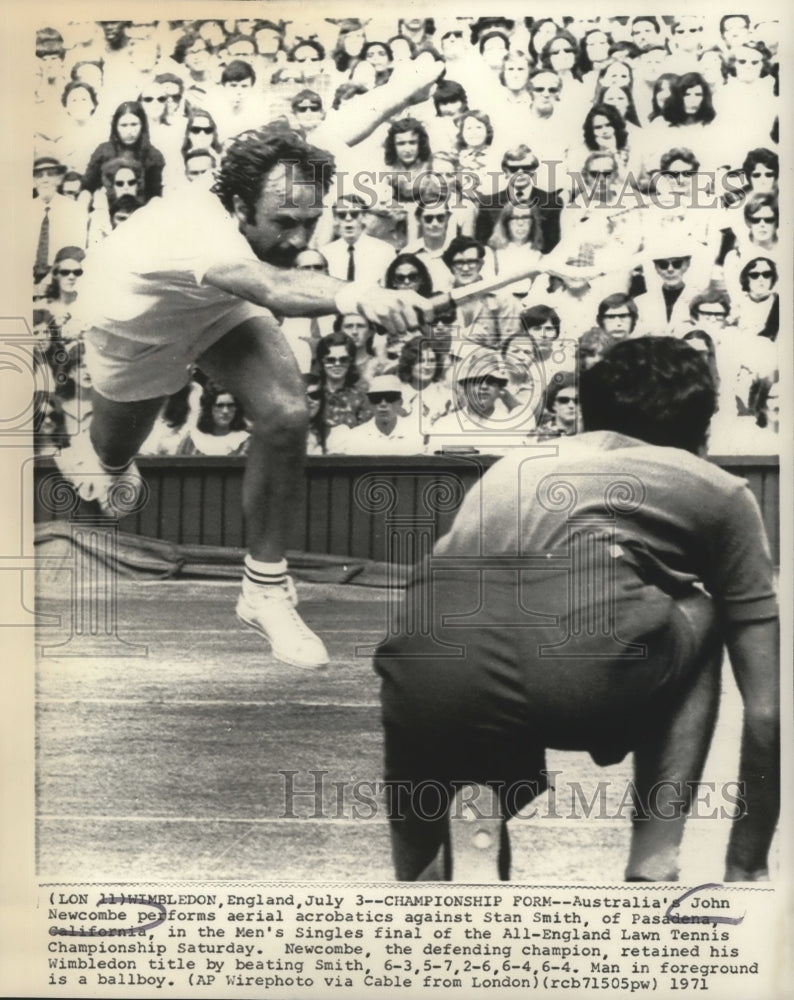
(272,611)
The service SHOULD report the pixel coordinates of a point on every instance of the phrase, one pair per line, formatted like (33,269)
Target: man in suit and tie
(58,222)
(355,255)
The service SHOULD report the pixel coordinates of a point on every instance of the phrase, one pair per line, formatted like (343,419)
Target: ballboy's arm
(754,652)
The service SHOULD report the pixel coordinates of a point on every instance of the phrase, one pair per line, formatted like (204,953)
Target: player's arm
(309,293)
(408,84)
(754,652)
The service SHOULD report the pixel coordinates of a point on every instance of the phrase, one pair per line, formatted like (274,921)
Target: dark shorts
(507,663)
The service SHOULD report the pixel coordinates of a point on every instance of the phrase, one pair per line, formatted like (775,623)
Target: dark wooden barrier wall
(351,504)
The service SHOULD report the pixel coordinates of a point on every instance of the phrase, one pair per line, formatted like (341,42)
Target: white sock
(263,574)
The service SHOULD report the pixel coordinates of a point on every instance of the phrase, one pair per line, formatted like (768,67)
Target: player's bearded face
(283,219)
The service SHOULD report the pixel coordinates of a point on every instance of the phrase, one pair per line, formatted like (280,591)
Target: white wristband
(350,297)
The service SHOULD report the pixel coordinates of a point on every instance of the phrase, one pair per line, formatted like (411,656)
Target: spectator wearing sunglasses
(562,55)
(482,421)
(355,255)
(552,130)
(757,238)
(519,185)
(61,296)
(668,283)
(759,175)
(758,307)
(344,394)
(562,418)
(687,34)
(386,432)
(307,110)
(129,134)
(436,231)
(487,319)
(173,88)
(201,132)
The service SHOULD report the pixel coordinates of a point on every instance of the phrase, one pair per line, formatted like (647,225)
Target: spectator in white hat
(386,432)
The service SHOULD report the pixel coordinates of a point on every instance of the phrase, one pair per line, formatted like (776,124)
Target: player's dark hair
(657,389)
(253,154)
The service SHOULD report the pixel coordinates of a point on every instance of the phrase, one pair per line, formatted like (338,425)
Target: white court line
(208,701)
(257,821)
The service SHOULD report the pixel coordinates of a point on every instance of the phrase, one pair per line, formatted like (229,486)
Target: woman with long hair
(543,29)
(561,55)
(689,102)
(201,132)
(606,131)
(49,424)
(621,98)
(371,343)
(220,428)
(380,58)
(474,142)
(408,272)
(173,423)
(344,394)
(516,240)
(318,433)
(421,369)
(129,135)
(660,94)
(594,54)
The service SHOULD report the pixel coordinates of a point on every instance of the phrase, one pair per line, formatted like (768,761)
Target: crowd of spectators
(622,172)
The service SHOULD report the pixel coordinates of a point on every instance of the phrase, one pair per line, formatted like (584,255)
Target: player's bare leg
(119,429)
(668,766)
(256,364)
